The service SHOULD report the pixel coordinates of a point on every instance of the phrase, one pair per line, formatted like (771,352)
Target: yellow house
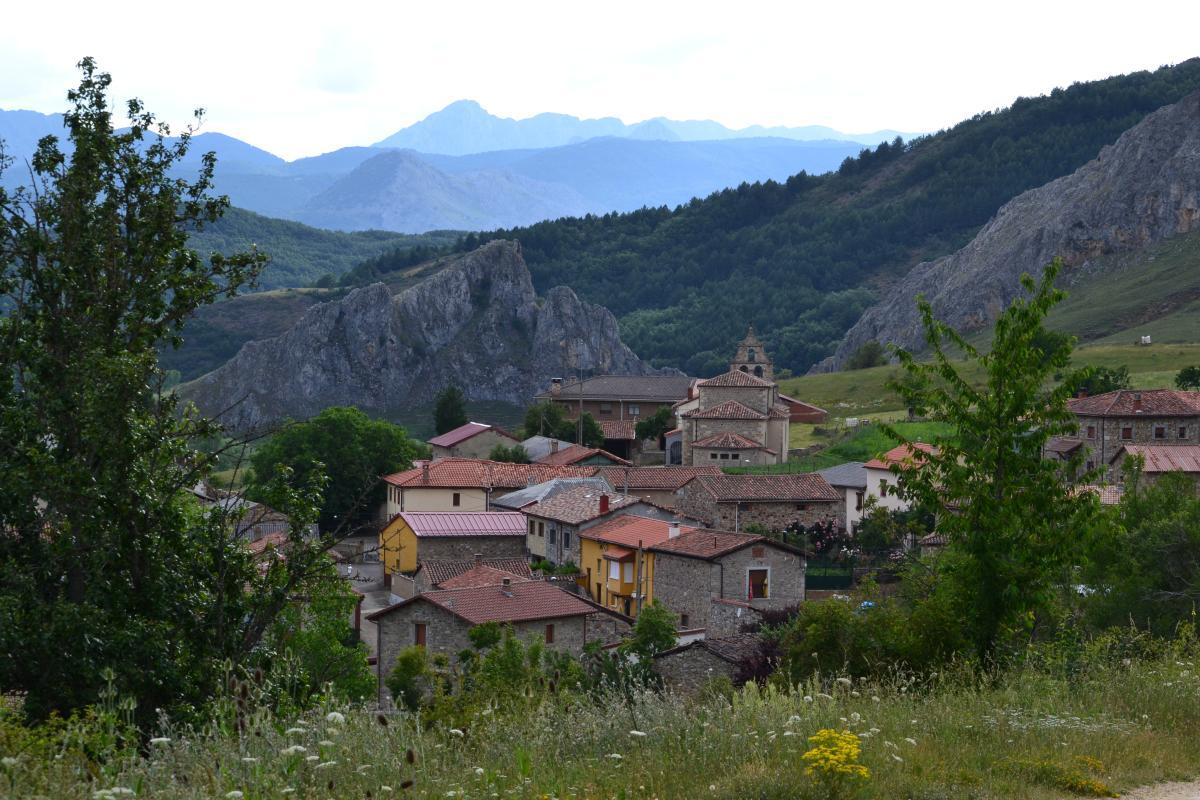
(616,567)
(414,536)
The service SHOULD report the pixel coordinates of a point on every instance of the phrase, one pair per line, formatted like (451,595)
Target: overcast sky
(299,80)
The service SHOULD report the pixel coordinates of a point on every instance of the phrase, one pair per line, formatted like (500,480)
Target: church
(737,418)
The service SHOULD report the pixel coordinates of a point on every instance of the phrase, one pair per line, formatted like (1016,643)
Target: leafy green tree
(409,678)
(655,425)
(653,632)
(593,434)
(870,354)
(548,419)
(485,635)
(1098,380)
(109,563)
(347,446)
(513,455)
(1011,518)
(1188,379)
(449,410)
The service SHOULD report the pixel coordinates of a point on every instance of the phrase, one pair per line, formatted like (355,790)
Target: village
(569,548)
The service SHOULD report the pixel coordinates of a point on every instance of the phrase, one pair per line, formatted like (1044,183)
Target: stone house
(554,525)
(659,485)
(416,536)
(731,502)
(1108,422)
(736,419)
(465,484)
(530,495)
(883,483)
(698,567)
(473,440)
(690,668)
(616,397)
(441,620)
(851,480)
(1158,460)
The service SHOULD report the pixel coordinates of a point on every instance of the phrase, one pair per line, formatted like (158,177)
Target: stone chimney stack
(1137,402)
(554,445)
(673,529)
(506,587)
(604,503)
(555,387)
(425,472)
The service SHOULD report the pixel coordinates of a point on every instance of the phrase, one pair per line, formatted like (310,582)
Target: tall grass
(1033,733)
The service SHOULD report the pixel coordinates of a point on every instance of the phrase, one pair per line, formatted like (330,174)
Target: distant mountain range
(464,127)
(452,186)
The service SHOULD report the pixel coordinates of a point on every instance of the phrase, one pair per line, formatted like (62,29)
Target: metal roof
(465,523)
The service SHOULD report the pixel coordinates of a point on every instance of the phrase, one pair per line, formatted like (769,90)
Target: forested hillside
(802,259)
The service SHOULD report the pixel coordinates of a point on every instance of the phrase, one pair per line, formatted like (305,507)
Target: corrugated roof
(730,409)
(901,454)
(652,478)
(1138,402)
(657,388)
(439,571)
(579,504)
(473,473)
(520,602)
(465,523)
(797,487)
(852,474)
(464,432)
(628,530)
(738,378)
(1164,457)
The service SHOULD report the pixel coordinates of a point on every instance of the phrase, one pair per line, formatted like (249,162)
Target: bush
(408,680)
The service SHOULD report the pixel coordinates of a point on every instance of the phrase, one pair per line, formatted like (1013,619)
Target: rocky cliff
(477,323)
(1143,188)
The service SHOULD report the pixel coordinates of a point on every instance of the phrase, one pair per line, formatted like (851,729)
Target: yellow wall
(398,547)
(592,552)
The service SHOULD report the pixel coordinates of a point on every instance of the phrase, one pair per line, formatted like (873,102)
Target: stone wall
(758,398)
(478,446)
(686,586)
(607,628)
(690,670)
(462,548)
(776,516)
(785,586)
(1101,448)
(727,617)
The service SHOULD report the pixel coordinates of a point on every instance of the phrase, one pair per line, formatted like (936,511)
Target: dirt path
(1166,791)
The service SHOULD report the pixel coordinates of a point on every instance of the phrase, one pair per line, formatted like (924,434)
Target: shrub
(408,680)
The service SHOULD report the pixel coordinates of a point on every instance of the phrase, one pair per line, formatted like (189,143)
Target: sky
(300,79)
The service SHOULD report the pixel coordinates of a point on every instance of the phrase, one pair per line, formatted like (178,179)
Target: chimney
(506,587)
(1137,402)
(425,472)
(604,503)
(555,387)
(673,529)
(554,445)
(1082,393)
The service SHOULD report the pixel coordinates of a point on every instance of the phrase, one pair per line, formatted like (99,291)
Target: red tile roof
(464,523)
(618,428)
(576,453)
(481,575)
(615,553)
(464,432)
(730,409)
(628,530)
(728,441)
(579,505)
(1138,402)
(737,378)
(797,488)
(709,544)
(1164,457)
(652,478)
(901,454)
(793,403)
(474,473)
(440,571)
(522,601)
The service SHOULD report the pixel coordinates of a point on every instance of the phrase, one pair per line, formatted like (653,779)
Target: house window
(883,488)
(757,585)
(750,355)
(1091,431)
(606,408)
(1091,465)
(542,529)
(712,456)
(683,621)
(1183,431)
(801,506)
(566,539)
(758,372)
(635,410)
(1160,431)
(859,499)
(724,456)
(1127,432)
(551,534)
(532,528)
(549,634)
(614,570)
(629,572)
(456,500)
(419,634)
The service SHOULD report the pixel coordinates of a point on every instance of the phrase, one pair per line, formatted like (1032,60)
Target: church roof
(736,377)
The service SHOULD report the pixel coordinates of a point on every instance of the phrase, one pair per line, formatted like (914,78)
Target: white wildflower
(9,761)
(874,730)
(313,758)
(121,790)
(325,765)
(479,772)
(886,743)
(712,787)
(845,681)
(875,697)
(327,743)
(856,717)
(234,795)
(824,696)
(456,732)
(294,731)
(249,760)
(897,758)
(789,733)
(808,698)
(288,790)
(160,740)
(864,735)
(385,788)
(293,750)
(615,756)
(855,693)
(910,740)
(336,718)
(637,733)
